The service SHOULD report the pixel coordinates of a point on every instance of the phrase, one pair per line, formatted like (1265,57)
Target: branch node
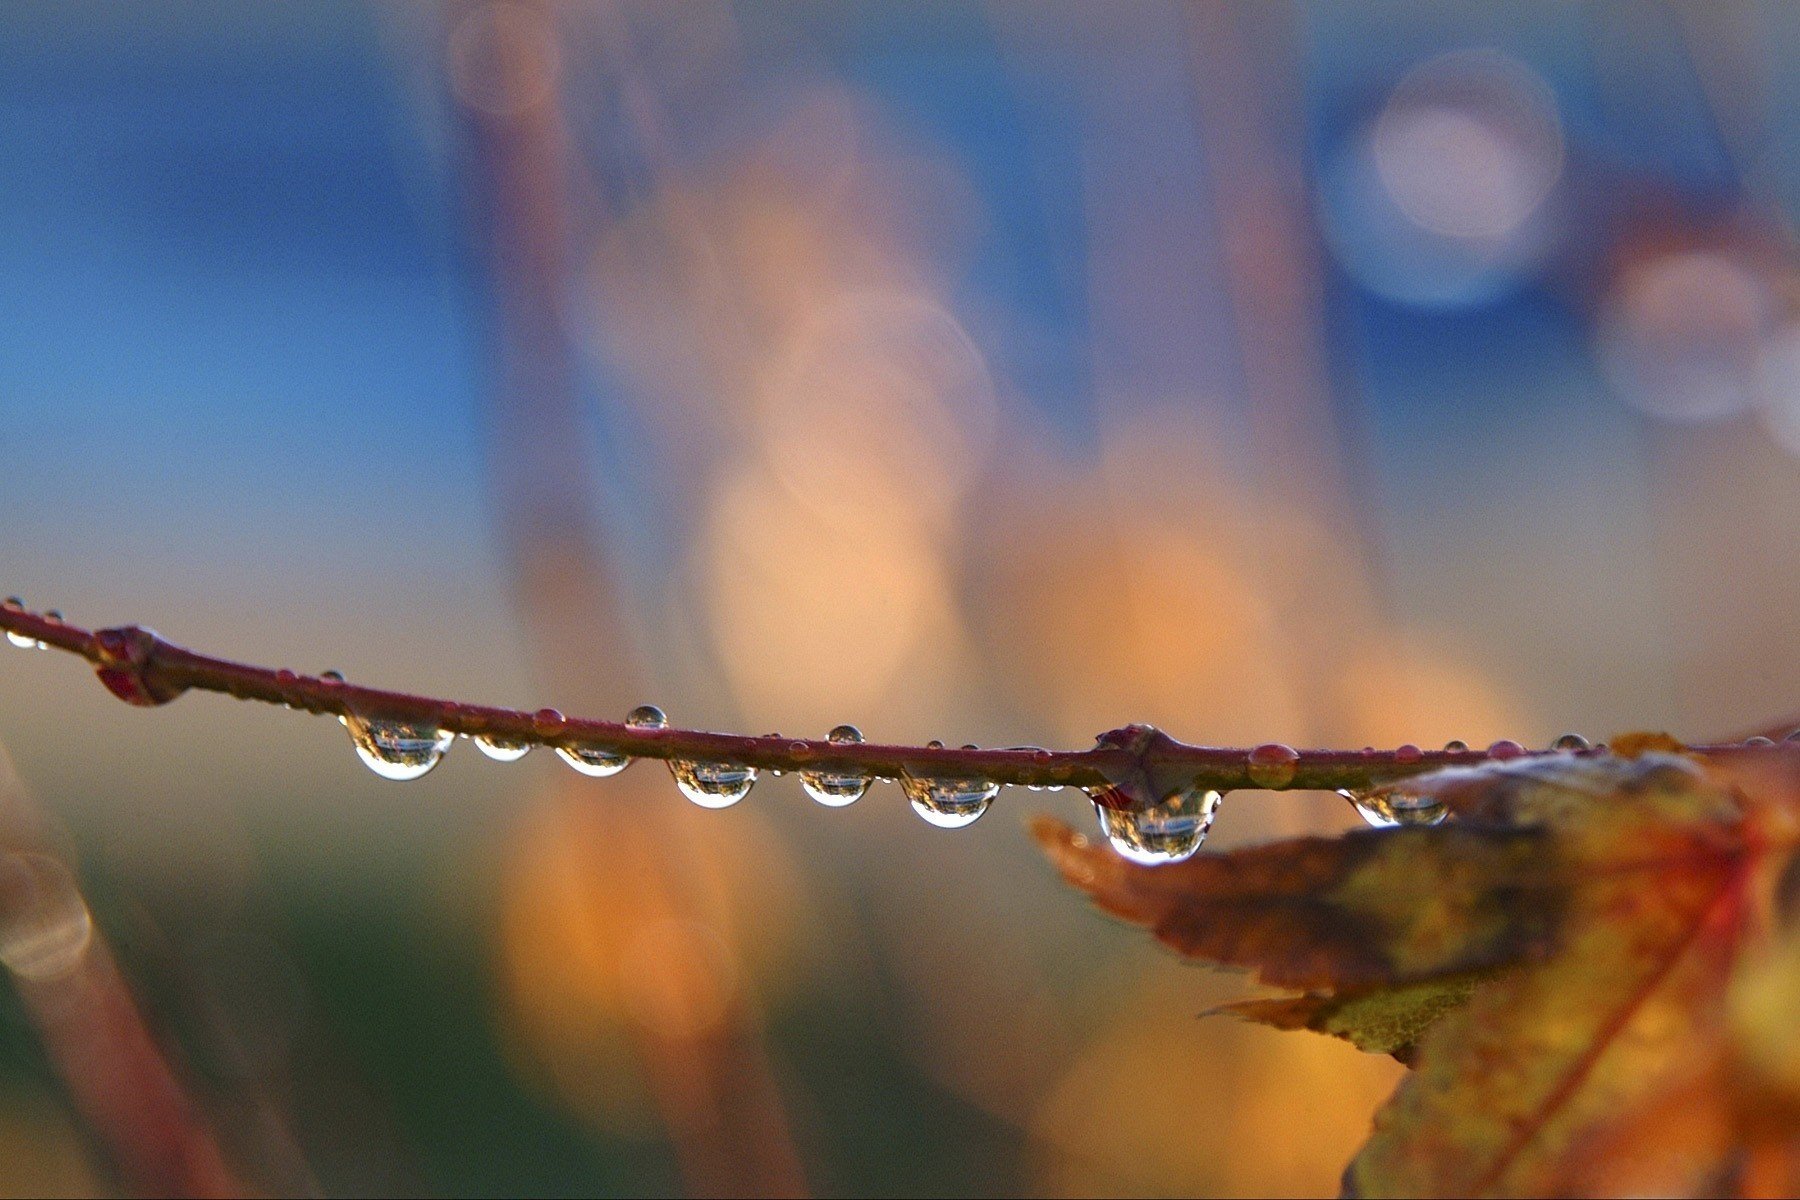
(127,666)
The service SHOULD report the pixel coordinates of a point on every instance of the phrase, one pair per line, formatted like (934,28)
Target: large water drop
(713,785)
(830,788)
(594,760)
(949,803)
(1166,833)
(397,749)
(1396,804)
(501,749)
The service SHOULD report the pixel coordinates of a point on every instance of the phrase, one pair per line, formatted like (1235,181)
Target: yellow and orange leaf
(1581,959)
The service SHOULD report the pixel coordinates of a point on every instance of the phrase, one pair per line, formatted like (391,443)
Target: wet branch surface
(1141,763)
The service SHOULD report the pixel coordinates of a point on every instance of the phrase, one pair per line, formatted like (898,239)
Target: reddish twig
(142,668)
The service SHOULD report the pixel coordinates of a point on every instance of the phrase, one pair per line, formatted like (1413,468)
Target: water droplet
(1395,804)
(1570,743)
(594,760)
(547,721)
(397,749)
(1759,741)
(15,604)
(1792,737)
(54,616)
(1456,746)
(333,678)
(501,749)
(1272,765)
(1504,749)
(948,803)
(713,785)
(647,716)
(285,678)
(1167,833)
(836,790)
(22,641)
(1408,753)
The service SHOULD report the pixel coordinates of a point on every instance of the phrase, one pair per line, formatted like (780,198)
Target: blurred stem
(713,1087)
(142,668)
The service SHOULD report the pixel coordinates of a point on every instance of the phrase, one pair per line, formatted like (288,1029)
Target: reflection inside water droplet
(835,789)
(1395,804)
(1167,833)
(501,749)
(647,716)
(594,760)
(949,803)
(713,785)
(397,749)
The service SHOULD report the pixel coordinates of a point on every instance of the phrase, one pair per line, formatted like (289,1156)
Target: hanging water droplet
(647,716)
(594,760)
(713,785)
(501,749)
(949,803)
(1570,743)
(1167,833)
(1394,804)
(23,642)
(833,789)
(1456,746)
(1271,765)
(397,749)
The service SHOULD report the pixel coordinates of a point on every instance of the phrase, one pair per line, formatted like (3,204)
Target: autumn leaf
(1589,952)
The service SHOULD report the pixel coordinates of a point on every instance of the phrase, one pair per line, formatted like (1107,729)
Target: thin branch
(142,668)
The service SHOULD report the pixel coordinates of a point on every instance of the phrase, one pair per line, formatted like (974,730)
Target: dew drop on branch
(396,749)
(713,785)
(1272,765)
(1456,746)
(501,749)
(22,641)
(1570,743)
(1395,804)
(1166,833)
(647,716)
(596,761)
(949,803)
(835,789)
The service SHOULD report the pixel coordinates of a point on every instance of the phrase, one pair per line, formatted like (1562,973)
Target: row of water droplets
(396,749)
(1168,831)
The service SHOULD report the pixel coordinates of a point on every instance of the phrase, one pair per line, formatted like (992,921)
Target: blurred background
(1335,374)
